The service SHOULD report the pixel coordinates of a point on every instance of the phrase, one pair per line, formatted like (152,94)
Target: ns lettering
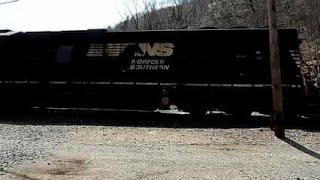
(158,49)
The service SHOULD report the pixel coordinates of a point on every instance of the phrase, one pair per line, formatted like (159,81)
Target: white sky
(39,15)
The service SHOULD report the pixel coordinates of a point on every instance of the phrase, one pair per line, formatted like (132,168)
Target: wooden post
(277,114)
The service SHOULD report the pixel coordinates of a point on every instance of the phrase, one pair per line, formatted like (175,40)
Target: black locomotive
(197,70)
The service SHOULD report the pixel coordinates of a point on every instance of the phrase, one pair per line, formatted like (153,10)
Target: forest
(303,15)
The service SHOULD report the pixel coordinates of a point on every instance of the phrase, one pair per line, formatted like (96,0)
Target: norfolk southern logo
(152,57)
(144,49)
(144,56)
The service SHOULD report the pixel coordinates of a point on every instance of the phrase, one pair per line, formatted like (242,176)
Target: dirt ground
(109,152)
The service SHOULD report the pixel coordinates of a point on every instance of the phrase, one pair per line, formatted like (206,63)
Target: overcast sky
(37,15)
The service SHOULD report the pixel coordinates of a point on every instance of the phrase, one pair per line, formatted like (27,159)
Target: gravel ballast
(107,152)
(21,144)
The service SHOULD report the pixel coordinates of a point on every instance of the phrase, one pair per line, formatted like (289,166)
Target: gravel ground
(26,143)
(108,152)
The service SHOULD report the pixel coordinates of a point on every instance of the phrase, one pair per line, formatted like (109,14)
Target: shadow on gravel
(302,148)
(142,119)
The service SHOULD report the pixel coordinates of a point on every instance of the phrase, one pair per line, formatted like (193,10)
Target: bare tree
(310,28)
(150,16)
(133,8)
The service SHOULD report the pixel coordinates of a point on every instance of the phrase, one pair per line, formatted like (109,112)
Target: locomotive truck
(196,70)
